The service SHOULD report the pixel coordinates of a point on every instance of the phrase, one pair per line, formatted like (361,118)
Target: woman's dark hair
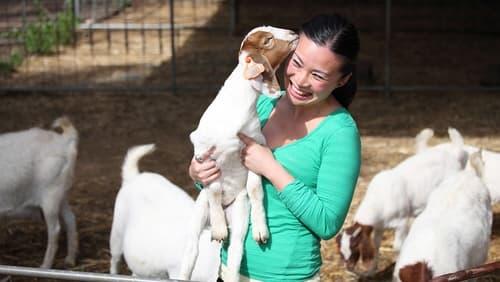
(341,37)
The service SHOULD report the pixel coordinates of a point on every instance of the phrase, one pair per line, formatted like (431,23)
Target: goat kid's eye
(268,41)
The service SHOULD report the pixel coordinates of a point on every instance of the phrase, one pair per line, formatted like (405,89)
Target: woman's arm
(323,211)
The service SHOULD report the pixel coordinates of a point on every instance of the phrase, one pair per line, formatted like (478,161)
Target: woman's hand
(203,169)
(260,160)
(257,158)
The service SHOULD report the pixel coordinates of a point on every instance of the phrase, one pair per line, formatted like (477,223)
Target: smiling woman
(311,160)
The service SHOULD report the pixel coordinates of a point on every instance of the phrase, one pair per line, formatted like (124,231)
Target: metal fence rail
(488,269)
(72,275)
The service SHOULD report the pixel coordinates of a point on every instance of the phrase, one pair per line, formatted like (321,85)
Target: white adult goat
(149,225)
(36,172)
(232,111)
(453,231)
(392,199)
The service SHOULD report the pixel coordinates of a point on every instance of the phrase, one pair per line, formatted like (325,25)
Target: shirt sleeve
(323,211)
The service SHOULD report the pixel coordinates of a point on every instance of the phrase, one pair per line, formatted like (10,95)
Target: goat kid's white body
(397,195)
(232,111)
(149,226)
(453,231)
(491,175)
(36,172)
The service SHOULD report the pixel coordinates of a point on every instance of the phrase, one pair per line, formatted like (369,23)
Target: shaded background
(115,80)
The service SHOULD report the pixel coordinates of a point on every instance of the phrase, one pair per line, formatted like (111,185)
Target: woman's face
(312,73)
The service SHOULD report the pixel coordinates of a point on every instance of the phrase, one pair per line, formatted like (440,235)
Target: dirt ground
(108,124)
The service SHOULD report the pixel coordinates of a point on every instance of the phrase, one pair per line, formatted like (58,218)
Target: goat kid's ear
(252,69)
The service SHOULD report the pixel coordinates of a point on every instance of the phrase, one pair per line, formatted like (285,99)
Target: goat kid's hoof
(232,278)
(260,235)
(69,262)
(45,266)
(219,235)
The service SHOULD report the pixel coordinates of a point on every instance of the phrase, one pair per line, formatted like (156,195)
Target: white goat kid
(453,231)
(37,168)
(491,161)
(392,199)
(233,111)
(149,225)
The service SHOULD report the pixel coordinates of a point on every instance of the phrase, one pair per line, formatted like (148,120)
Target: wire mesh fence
(100,44)
(122,45)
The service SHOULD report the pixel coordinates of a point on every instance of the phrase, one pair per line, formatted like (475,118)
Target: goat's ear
(252,69)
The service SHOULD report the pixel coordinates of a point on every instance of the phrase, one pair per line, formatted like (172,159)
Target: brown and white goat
(392,199)
(453,232)
(233,111)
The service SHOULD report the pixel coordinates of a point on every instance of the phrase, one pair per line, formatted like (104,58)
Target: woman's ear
(344,79)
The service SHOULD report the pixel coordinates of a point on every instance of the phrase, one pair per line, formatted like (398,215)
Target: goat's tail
(67,127)
(134,154)
(422,139)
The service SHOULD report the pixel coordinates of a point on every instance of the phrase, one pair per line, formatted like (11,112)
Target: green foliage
(44,35)
(40,37)
(10,64)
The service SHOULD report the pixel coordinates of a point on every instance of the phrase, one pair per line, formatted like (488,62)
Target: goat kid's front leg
(198,222)
(239,228)
(216,212)
(370,255)
(400,234)
(255,191)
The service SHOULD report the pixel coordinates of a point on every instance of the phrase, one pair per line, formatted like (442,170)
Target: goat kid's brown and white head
(262,51)
(355,243)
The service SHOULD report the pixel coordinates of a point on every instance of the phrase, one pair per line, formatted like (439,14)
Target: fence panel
(116,44)
(126,44)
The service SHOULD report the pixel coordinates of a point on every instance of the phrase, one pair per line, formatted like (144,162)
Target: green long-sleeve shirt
(325,164)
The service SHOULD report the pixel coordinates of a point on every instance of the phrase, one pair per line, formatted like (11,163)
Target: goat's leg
(217,216)
(400,235)
(369,251)
(51,214)
(239,228)
(258,215)
(116,249)
(198,222)
(377,239)
(68,219)
(116,238)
